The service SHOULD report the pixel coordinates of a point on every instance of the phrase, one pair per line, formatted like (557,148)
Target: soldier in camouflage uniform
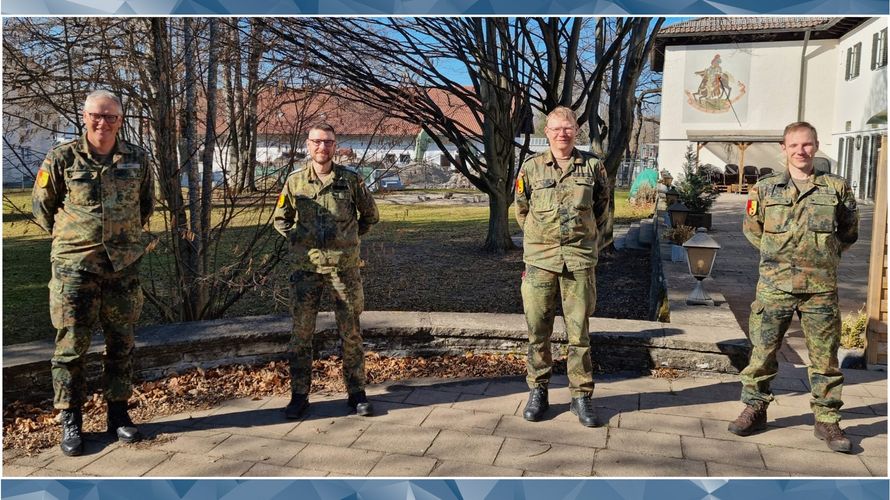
(93,195)
(562,199)
(800,220)
(322,211)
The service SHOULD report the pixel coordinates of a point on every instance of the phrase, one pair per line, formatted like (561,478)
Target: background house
(731,84)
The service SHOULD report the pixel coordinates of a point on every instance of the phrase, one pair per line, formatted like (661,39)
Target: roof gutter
(803,74)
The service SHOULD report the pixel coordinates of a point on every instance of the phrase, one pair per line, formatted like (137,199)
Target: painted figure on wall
(717,90)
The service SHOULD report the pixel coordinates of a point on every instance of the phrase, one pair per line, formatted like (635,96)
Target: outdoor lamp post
(671,196)
(666,178)
(677,212)
(701,250)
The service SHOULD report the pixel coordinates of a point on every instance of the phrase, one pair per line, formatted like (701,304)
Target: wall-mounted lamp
(858,142)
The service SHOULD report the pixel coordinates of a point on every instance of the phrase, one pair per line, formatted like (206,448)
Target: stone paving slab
(612,463)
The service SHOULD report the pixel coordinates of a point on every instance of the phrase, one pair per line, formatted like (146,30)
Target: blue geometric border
(441,7)
(423,489)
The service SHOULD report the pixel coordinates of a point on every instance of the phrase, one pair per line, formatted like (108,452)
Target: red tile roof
(704,25)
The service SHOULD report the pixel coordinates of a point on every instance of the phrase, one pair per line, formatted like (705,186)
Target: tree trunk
(168,165)
(209,143)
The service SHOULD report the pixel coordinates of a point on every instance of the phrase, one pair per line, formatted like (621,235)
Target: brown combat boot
(752,419)
(832,434)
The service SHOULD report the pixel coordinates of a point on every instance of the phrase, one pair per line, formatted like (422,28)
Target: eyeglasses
(322,142)
(97,117)
(564,130)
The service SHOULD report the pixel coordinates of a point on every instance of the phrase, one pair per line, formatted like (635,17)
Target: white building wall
(771,101)
(856,101)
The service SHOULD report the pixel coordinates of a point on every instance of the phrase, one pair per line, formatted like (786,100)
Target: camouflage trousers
(578,291)
(820,319)
(306,289)
(78,302)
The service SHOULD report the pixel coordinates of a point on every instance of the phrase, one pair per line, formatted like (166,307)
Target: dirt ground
(459,277)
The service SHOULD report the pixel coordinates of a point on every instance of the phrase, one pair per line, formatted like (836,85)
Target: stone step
(647,232)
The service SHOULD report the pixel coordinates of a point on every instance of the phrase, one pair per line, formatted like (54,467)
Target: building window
(840,157)
(879,49)
(443,161)
(853,55)
(404,158)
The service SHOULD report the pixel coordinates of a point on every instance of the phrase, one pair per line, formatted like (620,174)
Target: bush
(696,190)
(646,195)
(680,234)
(853,330)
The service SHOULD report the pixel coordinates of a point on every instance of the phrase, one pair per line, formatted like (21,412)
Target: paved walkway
(656,427)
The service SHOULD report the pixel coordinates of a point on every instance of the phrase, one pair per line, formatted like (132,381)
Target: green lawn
(26,269)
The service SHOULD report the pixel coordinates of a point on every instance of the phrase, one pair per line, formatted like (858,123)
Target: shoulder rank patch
(42,178)
(752,208)
(520,186)
(281,200)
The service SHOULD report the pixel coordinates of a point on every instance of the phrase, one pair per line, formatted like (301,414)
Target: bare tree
(396,65)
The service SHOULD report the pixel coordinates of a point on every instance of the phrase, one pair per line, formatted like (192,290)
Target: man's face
(561,133)
(800,148)
(103,119)
(320,145)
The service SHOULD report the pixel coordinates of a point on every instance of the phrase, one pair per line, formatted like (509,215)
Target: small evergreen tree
(696,190)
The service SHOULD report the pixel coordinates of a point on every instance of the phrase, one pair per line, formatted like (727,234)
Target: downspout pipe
(803,74)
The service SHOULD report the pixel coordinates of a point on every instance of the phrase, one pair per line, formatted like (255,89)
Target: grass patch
(419,257)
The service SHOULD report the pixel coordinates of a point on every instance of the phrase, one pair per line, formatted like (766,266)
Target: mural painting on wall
(717,86)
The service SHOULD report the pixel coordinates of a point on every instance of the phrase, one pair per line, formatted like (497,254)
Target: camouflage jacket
(561,214)
(328,216)
(94,212)
(801,235)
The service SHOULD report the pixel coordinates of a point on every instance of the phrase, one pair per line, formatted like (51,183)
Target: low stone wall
(167,349)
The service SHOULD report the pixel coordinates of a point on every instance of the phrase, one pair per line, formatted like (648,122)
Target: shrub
(696,190)
(680,234)
(853,330)
(646,195)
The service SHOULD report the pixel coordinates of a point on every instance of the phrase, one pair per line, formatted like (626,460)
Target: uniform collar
(313,177)
(120,147)
(817,177)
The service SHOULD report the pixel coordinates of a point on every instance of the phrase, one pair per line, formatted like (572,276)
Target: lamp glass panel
(678,218)
(700,260)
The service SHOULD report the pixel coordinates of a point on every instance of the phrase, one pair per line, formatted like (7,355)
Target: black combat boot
(751,420)
(72,440)
(296,407)
(537,404)
(119,423)
(358,401)
(583,407)
(832,434)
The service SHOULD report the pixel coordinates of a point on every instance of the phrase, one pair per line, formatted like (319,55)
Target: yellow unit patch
(281,200)
(520,186)
(42,178)
(752,207)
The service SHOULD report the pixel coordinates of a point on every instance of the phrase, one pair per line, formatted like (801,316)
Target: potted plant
(677,236)
(851,353)
(696,190)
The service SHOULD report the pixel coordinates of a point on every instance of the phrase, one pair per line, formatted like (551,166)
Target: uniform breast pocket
(822,209)
(343,207)
(776,215)
(583,193)
(126,181)
(543,196)
(83,187)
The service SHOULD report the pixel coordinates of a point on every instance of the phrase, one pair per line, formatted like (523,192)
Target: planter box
(697,220)
(678,253)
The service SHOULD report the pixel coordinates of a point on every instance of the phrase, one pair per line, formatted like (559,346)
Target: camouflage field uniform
(322,222)
(560,214)
(800,237)
(94,208)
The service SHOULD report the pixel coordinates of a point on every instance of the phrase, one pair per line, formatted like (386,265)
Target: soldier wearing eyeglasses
(93,195)
(322,211)
(562,199)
